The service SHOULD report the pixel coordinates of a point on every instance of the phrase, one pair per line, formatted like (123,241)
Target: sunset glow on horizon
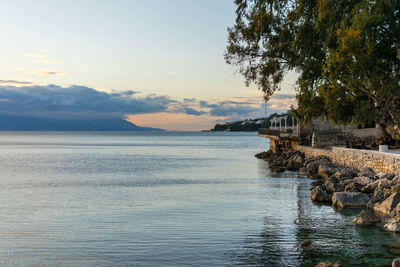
(158,63)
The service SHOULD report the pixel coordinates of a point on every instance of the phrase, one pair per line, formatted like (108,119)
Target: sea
(166,199)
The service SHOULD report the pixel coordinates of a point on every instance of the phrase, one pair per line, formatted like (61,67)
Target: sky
(154,63)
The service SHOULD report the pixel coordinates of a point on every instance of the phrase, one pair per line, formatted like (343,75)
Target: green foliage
(346,52)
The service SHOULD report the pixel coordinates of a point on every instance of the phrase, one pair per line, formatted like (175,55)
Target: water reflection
(294,218)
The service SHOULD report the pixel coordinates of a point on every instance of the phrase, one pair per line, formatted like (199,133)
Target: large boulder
(331,185)
(366,217)
(349,199)
(319,194)
(312,168)
(396,179)
(380,194)
(353,187)
(326,170)
(264,155)
(346,173)
(387,206)
(363,180)
(371,187)
(395,213)
(342,184)
(385,175)
(368,172)
(295,163)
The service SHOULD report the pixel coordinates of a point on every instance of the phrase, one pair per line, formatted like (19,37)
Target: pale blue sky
(172,48)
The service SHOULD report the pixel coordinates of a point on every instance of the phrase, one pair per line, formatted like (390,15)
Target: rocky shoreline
(345,187)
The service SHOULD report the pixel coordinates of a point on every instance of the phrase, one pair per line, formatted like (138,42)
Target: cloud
(195,112)
(77,102)
(48,61)
(14,82)
(172,73)
(51,72)
(34,55)
(82,102)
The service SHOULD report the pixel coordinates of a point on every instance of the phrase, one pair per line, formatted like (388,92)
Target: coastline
(345,187)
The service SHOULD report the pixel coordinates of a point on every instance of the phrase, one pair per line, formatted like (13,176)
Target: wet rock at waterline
(349,200)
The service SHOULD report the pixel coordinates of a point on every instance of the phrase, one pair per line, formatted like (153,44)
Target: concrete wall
(357,158)
(354,138)
(325,139)
(366,132)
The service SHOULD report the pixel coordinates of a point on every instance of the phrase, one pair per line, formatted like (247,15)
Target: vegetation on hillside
(250,125)
(346,52)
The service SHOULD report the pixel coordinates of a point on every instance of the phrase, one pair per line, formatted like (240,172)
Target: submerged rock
(319,194)
(329,264)
(396,262)
(366,217)
(304,244)
(393,226)
(349,199)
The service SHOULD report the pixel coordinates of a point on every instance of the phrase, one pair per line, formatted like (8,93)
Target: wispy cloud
(45,72)
(48,61)
(14,82)
(51,72)
(34,55)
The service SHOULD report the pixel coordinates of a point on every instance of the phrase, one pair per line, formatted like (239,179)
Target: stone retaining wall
(357,158)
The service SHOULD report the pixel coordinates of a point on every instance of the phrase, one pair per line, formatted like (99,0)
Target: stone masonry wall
(357,158)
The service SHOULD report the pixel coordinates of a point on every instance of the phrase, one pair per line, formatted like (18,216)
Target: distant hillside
(249,125)
(22,123)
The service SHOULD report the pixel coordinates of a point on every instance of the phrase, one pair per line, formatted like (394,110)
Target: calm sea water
(164,199)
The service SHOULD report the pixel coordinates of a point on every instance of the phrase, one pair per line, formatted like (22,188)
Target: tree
(345,52)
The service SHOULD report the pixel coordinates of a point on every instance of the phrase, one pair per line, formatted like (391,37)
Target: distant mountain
(28,123)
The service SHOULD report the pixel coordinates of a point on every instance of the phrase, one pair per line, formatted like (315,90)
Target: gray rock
(346,173)
(326,170)
(294,163)
(363,180)
(342,184)
(387,206)
(304,244)
(366,217)
(396,179)
(312,168)
(381,183)
(349,199)
(368,172)
(319,194)
(353,187)
(331,185)
(392,226)
(396,262)
(385,175)
(302,171)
